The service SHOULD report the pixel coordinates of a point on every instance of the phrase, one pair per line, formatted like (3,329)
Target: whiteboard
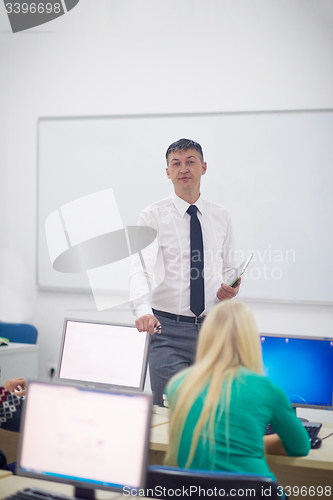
(271,170)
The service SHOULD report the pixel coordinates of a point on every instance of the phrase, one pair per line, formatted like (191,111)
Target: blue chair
(230,484)
(18,332)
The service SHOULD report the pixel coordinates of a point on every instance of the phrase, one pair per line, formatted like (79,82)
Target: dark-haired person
(10,412)
(11,404)
(221,405)
(168,303)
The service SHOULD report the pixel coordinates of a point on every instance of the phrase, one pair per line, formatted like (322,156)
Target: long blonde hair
(228,339)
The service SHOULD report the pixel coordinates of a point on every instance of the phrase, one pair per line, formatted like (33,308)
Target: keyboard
(37,494)
(312,429)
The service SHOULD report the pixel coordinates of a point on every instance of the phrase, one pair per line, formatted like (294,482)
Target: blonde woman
(221,405)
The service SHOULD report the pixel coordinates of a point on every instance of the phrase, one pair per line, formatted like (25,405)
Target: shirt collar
(182,205)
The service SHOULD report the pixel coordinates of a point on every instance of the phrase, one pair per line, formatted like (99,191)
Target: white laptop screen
(85,437)
(103,353)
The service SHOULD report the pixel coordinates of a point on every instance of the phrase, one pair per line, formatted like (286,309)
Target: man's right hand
(147,323)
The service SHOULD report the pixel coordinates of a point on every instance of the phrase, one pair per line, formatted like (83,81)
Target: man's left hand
(227,292)
(16,385)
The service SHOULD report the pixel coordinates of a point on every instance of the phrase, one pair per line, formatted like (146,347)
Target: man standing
(196,243)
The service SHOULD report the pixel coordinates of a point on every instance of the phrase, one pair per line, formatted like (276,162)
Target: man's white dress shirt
(169,258)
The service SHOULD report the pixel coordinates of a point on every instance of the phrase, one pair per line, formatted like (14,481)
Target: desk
(5,473)
(11,484)
(159,419)
(314,470)
(18,360)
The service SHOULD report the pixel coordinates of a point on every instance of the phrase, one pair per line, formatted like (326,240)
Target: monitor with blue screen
(302,366)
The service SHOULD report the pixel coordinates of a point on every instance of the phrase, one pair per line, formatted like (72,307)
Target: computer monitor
(103,354)
(302,366)
(85,437)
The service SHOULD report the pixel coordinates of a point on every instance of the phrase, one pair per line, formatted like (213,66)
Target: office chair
(18,332)
(226,483)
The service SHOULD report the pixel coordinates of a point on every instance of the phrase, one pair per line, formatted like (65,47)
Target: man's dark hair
(184,145)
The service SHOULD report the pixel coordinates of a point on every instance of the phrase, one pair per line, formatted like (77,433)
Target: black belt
(179,317)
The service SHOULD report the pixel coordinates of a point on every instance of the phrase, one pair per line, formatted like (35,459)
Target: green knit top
(239,447)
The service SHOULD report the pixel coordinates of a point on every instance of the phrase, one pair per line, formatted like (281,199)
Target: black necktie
(197,290)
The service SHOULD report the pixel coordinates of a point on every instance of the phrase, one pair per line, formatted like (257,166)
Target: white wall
(143,56)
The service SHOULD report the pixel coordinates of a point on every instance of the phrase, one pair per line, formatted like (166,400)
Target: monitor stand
(84,493)
(300,418)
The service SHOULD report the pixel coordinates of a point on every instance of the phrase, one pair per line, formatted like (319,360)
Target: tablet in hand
(231,281)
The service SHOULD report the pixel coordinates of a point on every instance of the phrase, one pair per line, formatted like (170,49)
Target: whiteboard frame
(69,289)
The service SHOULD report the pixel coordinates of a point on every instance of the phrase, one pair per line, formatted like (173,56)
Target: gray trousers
(170,351)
